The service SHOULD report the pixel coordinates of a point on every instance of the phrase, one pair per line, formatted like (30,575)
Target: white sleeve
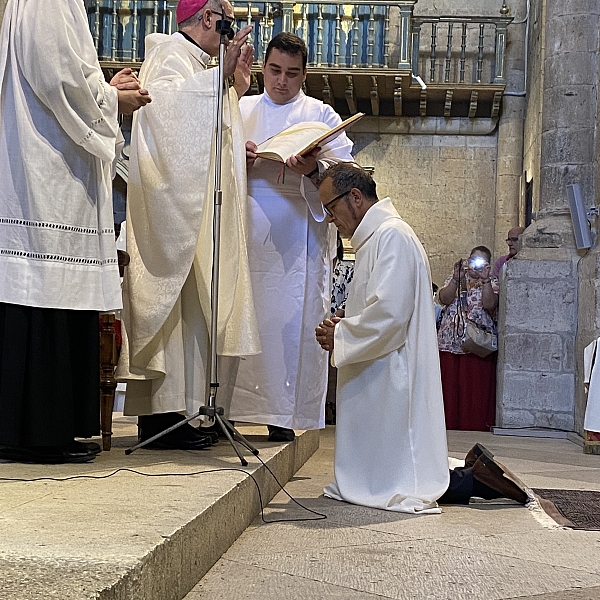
(382,326)
(56,55)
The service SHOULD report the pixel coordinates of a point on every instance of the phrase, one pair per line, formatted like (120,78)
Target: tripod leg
(238,436)
(225,429)
(160,434)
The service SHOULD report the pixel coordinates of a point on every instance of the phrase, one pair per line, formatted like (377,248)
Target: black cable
(320,516)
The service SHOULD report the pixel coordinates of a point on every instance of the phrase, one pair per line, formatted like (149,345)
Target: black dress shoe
(213,436)
(214,429)
(280,434)
(166,443)
(47,455)
(185,437)
(91,446)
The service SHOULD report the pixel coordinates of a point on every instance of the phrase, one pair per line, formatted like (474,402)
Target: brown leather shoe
(475,452)
(496,476)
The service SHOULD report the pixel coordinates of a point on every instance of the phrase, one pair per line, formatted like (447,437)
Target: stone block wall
(481,8)
(538,317)
(444,186)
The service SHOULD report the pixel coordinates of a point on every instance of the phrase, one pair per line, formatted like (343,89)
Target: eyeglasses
(513,239)
(215,12)
(230,33)
(328,204)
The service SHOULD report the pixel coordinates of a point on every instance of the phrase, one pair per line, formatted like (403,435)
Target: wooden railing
(364,34)
(365,55)
(459,49)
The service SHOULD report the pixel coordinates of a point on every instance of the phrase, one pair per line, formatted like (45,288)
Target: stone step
(129,536)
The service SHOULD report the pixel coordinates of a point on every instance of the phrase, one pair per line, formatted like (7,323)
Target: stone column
(538,366)
(510,135)
(2,7)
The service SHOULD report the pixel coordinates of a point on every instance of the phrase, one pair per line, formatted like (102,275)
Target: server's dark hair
(288,43)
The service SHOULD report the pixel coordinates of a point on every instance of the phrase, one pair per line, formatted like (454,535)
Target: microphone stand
(210,409)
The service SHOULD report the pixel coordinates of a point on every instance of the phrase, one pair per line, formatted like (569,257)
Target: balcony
(366,56)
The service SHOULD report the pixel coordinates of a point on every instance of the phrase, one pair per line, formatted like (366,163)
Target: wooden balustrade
(361,56)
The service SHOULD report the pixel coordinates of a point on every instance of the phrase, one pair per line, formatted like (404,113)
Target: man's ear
(206,17)
(357,197)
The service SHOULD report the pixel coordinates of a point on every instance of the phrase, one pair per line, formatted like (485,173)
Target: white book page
(293,140)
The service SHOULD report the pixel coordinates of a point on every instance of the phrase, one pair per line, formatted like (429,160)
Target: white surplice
(58,128)
(169,234)
(290,259)
(390,447)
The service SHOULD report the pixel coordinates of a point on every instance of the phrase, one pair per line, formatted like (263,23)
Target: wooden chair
(109,356)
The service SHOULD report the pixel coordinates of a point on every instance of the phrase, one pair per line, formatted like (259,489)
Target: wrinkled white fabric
(592,379)
(390,447)
(58,130)
(169,226)
(290,264)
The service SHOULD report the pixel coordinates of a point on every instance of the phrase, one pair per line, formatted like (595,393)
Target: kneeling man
(390,450)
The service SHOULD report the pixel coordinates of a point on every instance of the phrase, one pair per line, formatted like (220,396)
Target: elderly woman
(468,381)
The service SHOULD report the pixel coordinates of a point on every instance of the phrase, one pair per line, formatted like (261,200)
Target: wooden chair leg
(108,384)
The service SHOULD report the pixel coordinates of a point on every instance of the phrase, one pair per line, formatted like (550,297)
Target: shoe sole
(92,447)
(478,450)
(276,439)
(500,470)
(162,446)
(19,458)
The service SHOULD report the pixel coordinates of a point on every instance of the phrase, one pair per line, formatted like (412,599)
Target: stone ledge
(130,537)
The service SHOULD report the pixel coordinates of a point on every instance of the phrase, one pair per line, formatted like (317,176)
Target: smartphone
(477,263)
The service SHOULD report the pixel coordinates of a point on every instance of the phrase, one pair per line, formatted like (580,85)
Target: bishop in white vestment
(290,253)
(169,224)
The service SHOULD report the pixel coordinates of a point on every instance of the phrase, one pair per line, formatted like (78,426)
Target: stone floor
(147,532)
(485,551)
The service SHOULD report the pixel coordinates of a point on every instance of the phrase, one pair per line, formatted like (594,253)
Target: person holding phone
(468,381)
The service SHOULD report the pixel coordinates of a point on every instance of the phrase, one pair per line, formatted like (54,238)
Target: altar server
(58,258)
(291,248)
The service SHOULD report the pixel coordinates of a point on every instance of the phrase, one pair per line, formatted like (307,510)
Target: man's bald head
(513,240)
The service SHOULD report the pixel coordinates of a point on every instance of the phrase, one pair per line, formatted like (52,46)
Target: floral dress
(451,331)
(342,276)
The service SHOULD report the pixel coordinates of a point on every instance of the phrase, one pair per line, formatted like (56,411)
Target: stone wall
(537,351)
(481,8)
(551,308)
(533,120)
(442,185)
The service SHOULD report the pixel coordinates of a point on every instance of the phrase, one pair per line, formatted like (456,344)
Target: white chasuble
(390,447)
(290,260)
(169,232)
(58,128)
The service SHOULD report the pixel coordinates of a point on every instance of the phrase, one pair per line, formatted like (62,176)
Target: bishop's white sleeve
(58,60)
(381,327)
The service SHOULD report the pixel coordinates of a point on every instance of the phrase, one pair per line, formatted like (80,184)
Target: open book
(301,138)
